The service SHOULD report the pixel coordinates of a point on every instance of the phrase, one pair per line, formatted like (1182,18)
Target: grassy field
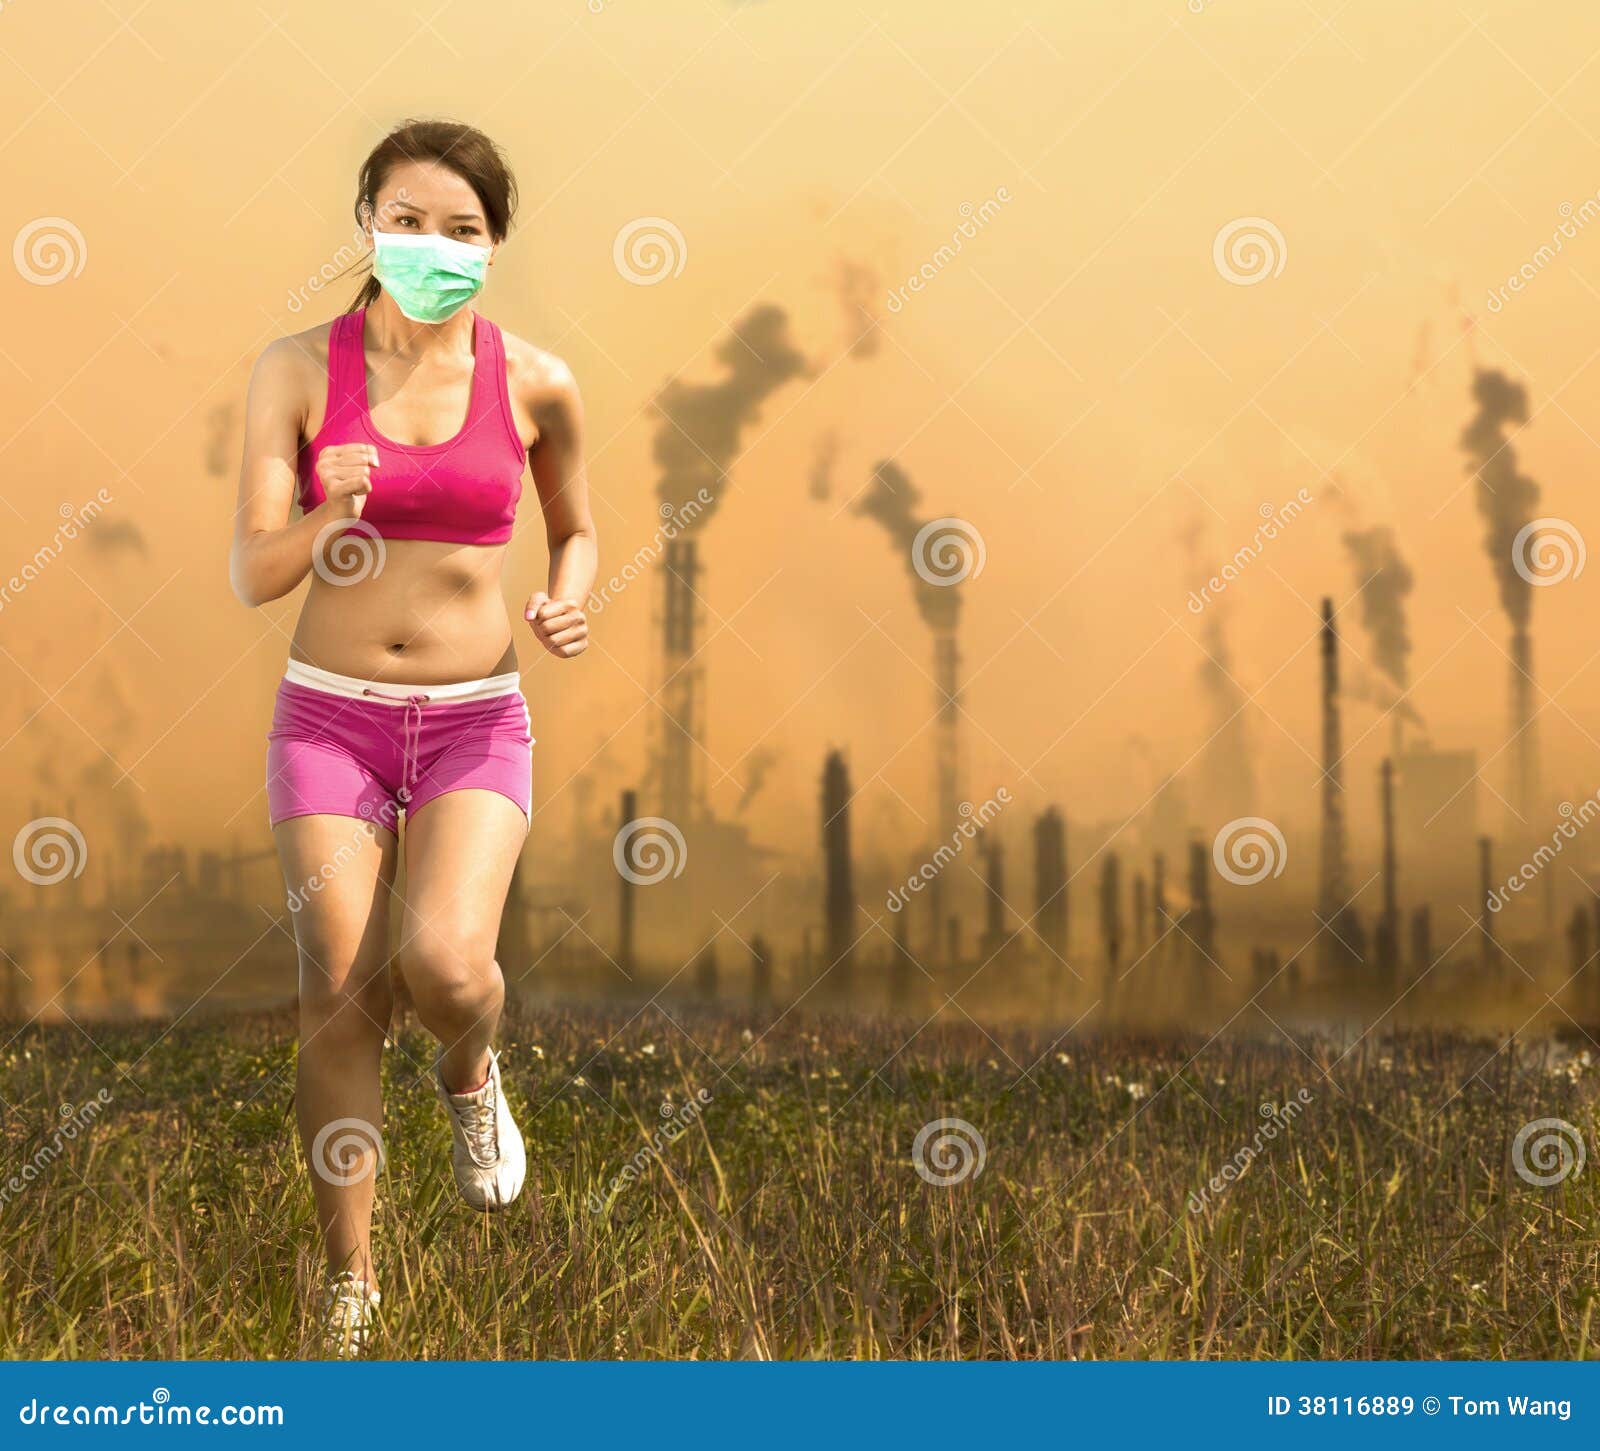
(1382,1217)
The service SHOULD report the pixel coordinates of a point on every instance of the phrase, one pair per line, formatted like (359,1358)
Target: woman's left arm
(556,614)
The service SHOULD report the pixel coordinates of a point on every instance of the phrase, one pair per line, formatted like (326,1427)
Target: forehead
(430,187)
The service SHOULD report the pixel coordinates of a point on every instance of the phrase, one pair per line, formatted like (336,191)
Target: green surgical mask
(429,277)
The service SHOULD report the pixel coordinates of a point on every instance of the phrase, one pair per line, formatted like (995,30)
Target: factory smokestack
(1332,877)
(839,893)
(1158,902)
(1199,922)
(1050,883)
(1508,500)
(695,447)
(938,555)
(1487,955)
(994,932)
(625,894)
(1111,917)
(1389,924)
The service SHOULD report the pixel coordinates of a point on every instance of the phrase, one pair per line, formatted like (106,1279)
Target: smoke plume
(1507,499)
(702,423)
(891,499)
(1384,580)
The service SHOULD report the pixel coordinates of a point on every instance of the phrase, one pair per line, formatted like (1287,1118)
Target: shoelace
(479,1124)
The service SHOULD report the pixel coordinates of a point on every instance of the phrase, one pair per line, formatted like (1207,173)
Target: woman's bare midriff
(432,614)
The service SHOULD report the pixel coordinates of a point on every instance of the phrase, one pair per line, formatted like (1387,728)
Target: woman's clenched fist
(559,625)
(345,472)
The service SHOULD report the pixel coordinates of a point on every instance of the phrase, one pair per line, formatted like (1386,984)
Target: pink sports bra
(461,491)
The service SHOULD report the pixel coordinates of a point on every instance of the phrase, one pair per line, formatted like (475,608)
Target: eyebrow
(453,217)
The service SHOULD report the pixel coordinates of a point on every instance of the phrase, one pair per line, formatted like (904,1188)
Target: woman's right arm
(270,554)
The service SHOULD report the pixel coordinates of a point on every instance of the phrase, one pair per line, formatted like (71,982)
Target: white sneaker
(487,1156)
(348,1315)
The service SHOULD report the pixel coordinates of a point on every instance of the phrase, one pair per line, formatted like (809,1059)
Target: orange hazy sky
(1081,384)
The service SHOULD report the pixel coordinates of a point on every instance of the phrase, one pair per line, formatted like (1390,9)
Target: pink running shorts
(346,747)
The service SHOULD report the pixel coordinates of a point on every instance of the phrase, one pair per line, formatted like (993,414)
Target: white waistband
(390,693)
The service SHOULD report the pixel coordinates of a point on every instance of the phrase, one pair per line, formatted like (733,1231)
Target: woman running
(402,430)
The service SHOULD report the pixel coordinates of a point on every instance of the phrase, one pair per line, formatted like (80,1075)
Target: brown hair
(464,149)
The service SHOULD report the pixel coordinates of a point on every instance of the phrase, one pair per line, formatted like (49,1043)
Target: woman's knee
(450,973)
(345,1012)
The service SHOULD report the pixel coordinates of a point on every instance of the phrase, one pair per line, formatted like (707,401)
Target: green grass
(790,1222)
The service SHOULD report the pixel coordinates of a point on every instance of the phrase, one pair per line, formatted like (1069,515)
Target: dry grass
(1385,1222)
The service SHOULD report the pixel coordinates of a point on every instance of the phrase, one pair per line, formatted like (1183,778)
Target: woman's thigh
(461,849)
(339,874)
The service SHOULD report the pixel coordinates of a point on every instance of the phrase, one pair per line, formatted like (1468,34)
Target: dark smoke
(1384,581)
(1506,499)
(702,423)
(891,499)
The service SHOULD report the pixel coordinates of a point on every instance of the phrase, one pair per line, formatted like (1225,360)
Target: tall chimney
(994,931)
(760,972)
(947,753)
(679,724)
(1332,890)
(839,892)
(1158,901)
(1486,945)
(625,895)
(1050,883)
(1111,913)
(1389,925)
(1199,923)
(1524,731)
